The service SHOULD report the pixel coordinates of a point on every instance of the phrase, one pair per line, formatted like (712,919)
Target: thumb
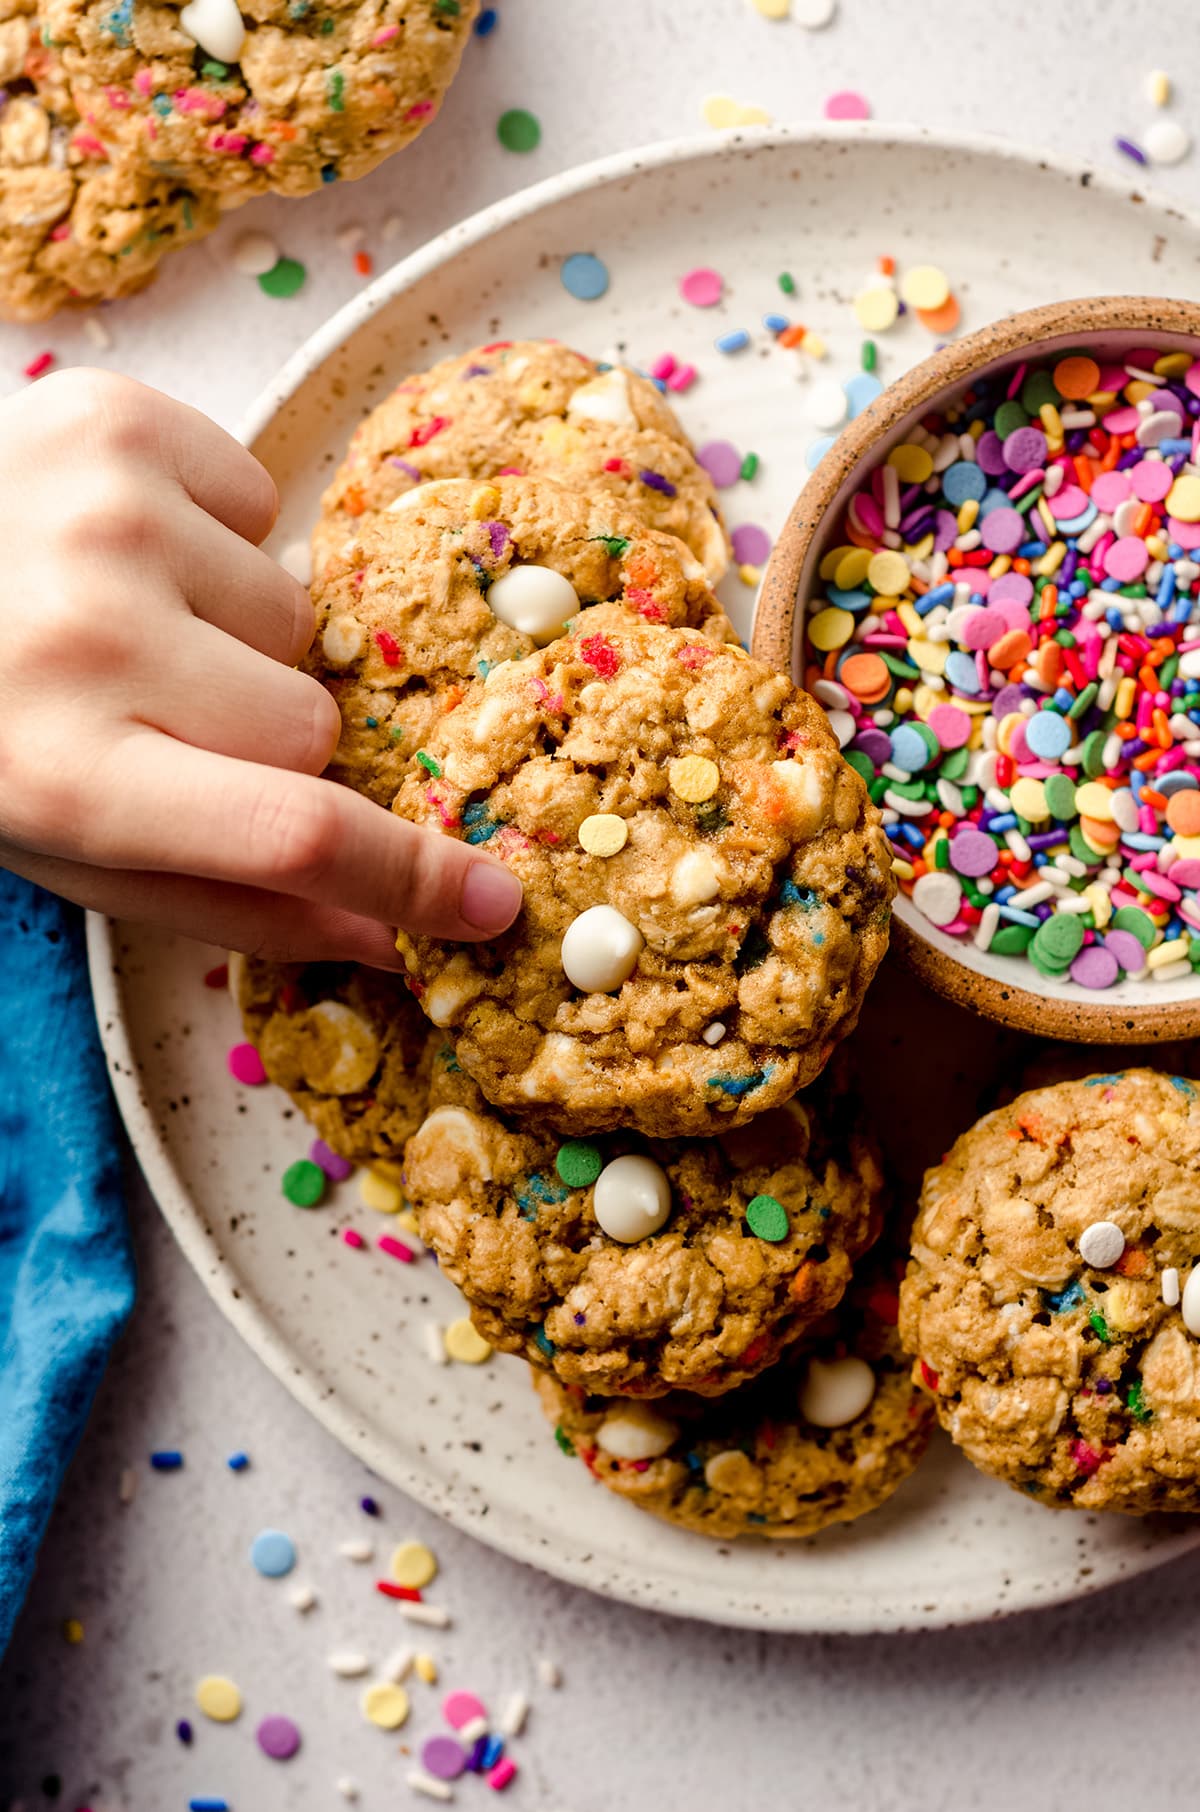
(450,890)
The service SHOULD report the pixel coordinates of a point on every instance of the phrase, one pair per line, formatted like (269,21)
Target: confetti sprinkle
(166,1459)
(751,545)
(723,112)
(603,834)
(518,130)
(285,278)
(486,23)
(218,1698)
(385,1705)
(380,1193)
(238,1462)
(846,104)
(767,1218)
(278,1737)
(254,254)
(722,461)
(272,1553)
(465,1344)
(584,276)
(246,1066)
(413,1564)
(304,1183)
(1166,142)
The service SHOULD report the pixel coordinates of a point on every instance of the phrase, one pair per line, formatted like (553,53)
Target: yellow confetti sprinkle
(831,628)
(484,502)
(694,778)
(749,575)
(385,1705)
(831,563)
(378,1193)
(1171,364)
(413,1564)
(1029,799)
(925,286)
(888,573)
(603,834)
(813,345)
(722,111)
(1094,801)
(218,1698)
(464,1343)
(876,308)
(73,1631)
(851,571)
(772,9)
(1158,88)
(426,1669)
(1183,499)
(911,464)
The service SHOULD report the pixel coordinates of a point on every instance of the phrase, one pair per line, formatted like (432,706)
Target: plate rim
(241,1307)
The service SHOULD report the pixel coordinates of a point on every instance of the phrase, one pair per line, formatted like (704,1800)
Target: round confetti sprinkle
(924,286)
(413,1564)
(304,1183)
(579,1163)
(767,1218)
(254,254)
(285,278)
(1101,1244)
(722,461)
(273,1553)
(462,1708)
(693,778)
(722,111)
(336,1168)
(846,104)
(278,1737)
(826,403)
(385,1705)
(813,15)
(702,287)
(603,834)
(876,308)
(751,545)
(518,130)
(218,1698)
(442,1757)
(1166,142)
(380,1193)
(464,1344)
(584,276)
(245,1065)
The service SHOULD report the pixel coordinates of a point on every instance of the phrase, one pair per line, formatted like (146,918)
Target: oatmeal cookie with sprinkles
(1053,1297)
(275,96)
(77,223)
(347,1043)
(825,1437)
(628,1265)
(707,885)
(466,576)
(532,407)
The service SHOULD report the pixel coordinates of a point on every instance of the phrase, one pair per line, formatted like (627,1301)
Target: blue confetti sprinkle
(487,22)
(737,1086)
(584,276)
(1184,1087)
(1067,1299)
(238,1462)
(273,1553)
(167,1459)
(734,341)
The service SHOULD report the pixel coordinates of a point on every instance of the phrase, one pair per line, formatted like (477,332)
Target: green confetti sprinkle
(615,546)
(449,9)
(304,1183)
(284,279)
(518,130)
(1135,1403)
(870,355)
(337,91)
(216,72)
(564,1440)
(787,283)
(749,466)
(1099,1326)
(579,1163)
(429,764)
(767,1218)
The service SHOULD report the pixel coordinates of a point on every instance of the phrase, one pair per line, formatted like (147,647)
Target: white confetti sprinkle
(398,1666)
(432,1614)
(254,254)
(348,1664)
(357,1550)
(97,333)
(301,1597)
(549,1672)
(1166,142)
(512,1718)
(1170,1287)
(347,1787)
(1101,1244)
(435,1346)
(351,236)
(813,15)
(425,1783)
(714,1033)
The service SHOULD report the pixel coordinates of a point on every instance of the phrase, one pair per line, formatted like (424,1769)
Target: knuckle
(115,412)
(298,833)
(112,521)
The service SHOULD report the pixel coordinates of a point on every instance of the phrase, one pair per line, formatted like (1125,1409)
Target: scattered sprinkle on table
(518,130)
(465,1344)
(846,104)
(39,366)
(379,1192)
(246,1066)
(254,254)
(723,112)
(1166,142)
(218,1698)
(273,1553)
(285,278)
(304,1183)
(385,1705)
(486,23)
(751,544)
(702,287)
(584,276)
(238,1462)
(166,1459)
(278,1737)
(413,1564)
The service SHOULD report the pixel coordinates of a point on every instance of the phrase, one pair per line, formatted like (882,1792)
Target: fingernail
(491,896)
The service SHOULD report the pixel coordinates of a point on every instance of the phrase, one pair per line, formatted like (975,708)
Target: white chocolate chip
(632,1198)
(636,1432)
(806,791)
(836,1391)
(216,26)
(600,950)
(408,500)
(732,1473)
(1101,1244)
(490,716)
(449,1146)
(604,399)
(346,1049)
(559,1061)
(694,879)
(451,990)
(343,640)
(535,600)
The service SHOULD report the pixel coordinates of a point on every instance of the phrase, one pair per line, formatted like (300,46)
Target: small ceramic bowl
(1008,989)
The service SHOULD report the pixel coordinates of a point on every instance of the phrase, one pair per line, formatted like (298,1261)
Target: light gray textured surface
(656,1712)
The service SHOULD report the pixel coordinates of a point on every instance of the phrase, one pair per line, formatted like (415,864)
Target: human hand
(158,753)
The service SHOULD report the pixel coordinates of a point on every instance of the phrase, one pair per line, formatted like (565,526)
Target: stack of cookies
(611,1122)
(127,129)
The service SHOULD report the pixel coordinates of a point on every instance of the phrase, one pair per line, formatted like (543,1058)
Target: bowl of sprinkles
(992,585)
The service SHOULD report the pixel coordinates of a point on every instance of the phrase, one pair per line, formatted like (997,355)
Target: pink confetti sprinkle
(1127,559)
(682,378)
(847,104)
(663,366)
(499,1776)
(246,1066)
(702,287)
(1151,480)
(352,1238)
(262,154)
(396,1248)
(1110,489)
(36,367)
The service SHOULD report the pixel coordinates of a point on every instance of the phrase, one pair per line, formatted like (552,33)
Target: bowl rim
(780,613)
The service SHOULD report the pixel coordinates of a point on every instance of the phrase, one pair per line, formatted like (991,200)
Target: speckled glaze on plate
(343,1329)
(1106,326)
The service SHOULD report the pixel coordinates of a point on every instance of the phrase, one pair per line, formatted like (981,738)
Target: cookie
(271,95)
(1048,1301)
(75,225)
(707,885)
(532,407)
(348,1045)
(405,616)
(823,1438)
(631,1265)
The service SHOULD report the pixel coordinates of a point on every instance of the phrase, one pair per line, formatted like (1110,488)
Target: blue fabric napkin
(66,1268)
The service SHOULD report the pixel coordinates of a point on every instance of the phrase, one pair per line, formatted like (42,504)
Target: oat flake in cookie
(631,1265)
(1048,1302)
(424,599)
(823,1438)
(707,886)
(270,95)
(75,225)
(528,407)
(347,1043)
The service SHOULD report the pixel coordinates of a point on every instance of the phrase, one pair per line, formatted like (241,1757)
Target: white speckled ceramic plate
(344,1329)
